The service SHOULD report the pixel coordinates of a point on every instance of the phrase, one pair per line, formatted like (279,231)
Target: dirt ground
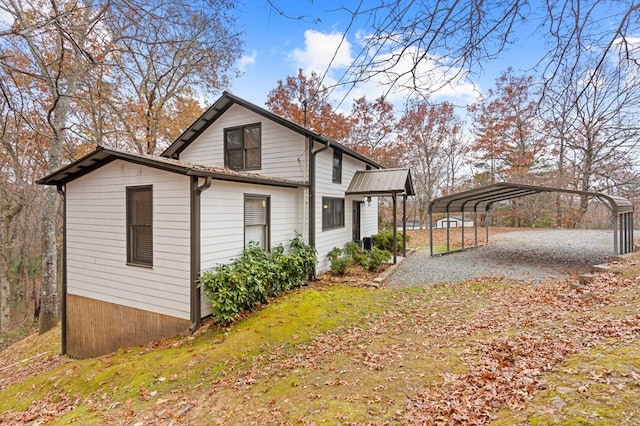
(420,237)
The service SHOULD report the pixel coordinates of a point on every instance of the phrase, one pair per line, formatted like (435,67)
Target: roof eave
(224,103)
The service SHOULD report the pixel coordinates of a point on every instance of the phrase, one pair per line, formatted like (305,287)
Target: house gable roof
(102,156)
(227,99)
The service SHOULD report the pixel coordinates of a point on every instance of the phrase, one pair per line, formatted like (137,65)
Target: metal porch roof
(381,182)
(481,199)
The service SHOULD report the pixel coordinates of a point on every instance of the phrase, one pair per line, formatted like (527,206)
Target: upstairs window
(140,225)
(332,213)
(242,147)
(337,167)
(256,220)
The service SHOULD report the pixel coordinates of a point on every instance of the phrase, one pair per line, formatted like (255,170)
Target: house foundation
(96,328)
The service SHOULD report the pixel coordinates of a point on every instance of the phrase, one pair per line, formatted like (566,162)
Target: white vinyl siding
(222,221)
(325,187)
(96,240)
(369,218)
(283,150)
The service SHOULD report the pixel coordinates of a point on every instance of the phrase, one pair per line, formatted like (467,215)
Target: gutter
(195,228)
(312,188)
(61,188)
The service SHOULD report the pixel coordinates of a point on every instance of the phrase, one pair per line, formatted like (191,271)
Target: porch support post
(394,197)
(404,225)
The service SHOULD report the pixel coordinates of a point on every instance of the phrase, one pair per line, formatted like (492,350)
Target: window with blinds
(140,225)
(256,220)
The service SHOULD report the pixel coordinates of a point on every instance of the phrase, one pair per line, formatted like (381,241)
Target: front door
(355,223)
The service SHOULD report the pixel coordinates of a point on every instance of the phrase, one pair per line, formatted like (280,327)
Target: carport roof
(481,199)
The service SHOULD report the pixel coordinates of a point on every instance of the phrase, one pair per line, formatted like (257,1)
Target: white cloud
(246,60)
(6,19)
(397,77)
(398,65)
(319,51)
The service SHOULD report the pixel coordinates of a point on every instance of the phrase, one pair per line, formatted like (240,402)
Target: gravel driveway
(524,255)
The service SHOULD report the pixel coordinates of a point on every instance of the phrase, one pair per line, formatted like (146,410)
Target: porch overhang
(386,182)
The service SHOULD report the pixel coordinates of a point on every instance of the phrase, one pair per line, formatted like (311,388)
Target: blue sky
(276,47)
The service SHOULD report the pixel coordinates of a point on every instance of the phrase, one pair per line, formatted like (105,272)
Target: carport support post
(616,251)
(431,231)
(462,228)
(448,227)
(486,226)
(475,226)
(630,232)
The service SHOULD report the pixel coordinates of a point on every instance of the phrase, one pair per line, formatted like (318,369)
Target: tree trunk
(49,287)
(5,298)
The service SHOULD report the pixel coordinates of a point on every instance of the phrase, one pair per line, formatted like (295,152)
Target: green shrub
(340,259)
(384,240)
(376,258)
(354,251)
(249,280)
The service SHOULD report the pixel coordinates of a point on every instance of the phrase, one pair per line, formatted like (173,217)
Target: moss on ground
(129,375)
(597,387)
(341,354)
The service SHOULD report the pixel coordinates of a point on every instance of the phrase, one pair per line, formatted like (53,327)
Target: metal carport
(480,200)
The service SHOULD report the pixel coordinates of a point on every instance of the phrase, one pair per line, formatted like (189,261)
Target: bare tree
(426,135)
(20,164)
(507,137)
(372,124)
(425,45)
(55,40)
(110,57)
(164,51)
(303,100)
(600,137)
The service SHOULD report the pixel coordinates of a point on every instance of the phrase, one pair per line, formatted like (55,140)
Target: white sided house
(139,229)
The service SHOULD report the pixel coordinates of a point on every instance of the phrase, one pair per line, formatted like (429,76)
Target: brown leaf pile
(507,371)
(506,335)
(517,335)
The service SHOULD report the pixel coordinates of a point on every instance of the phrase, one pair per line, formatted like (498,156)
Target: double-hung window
(242,147)
(256,220)
(140,225)
(332,213)
(337,167)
